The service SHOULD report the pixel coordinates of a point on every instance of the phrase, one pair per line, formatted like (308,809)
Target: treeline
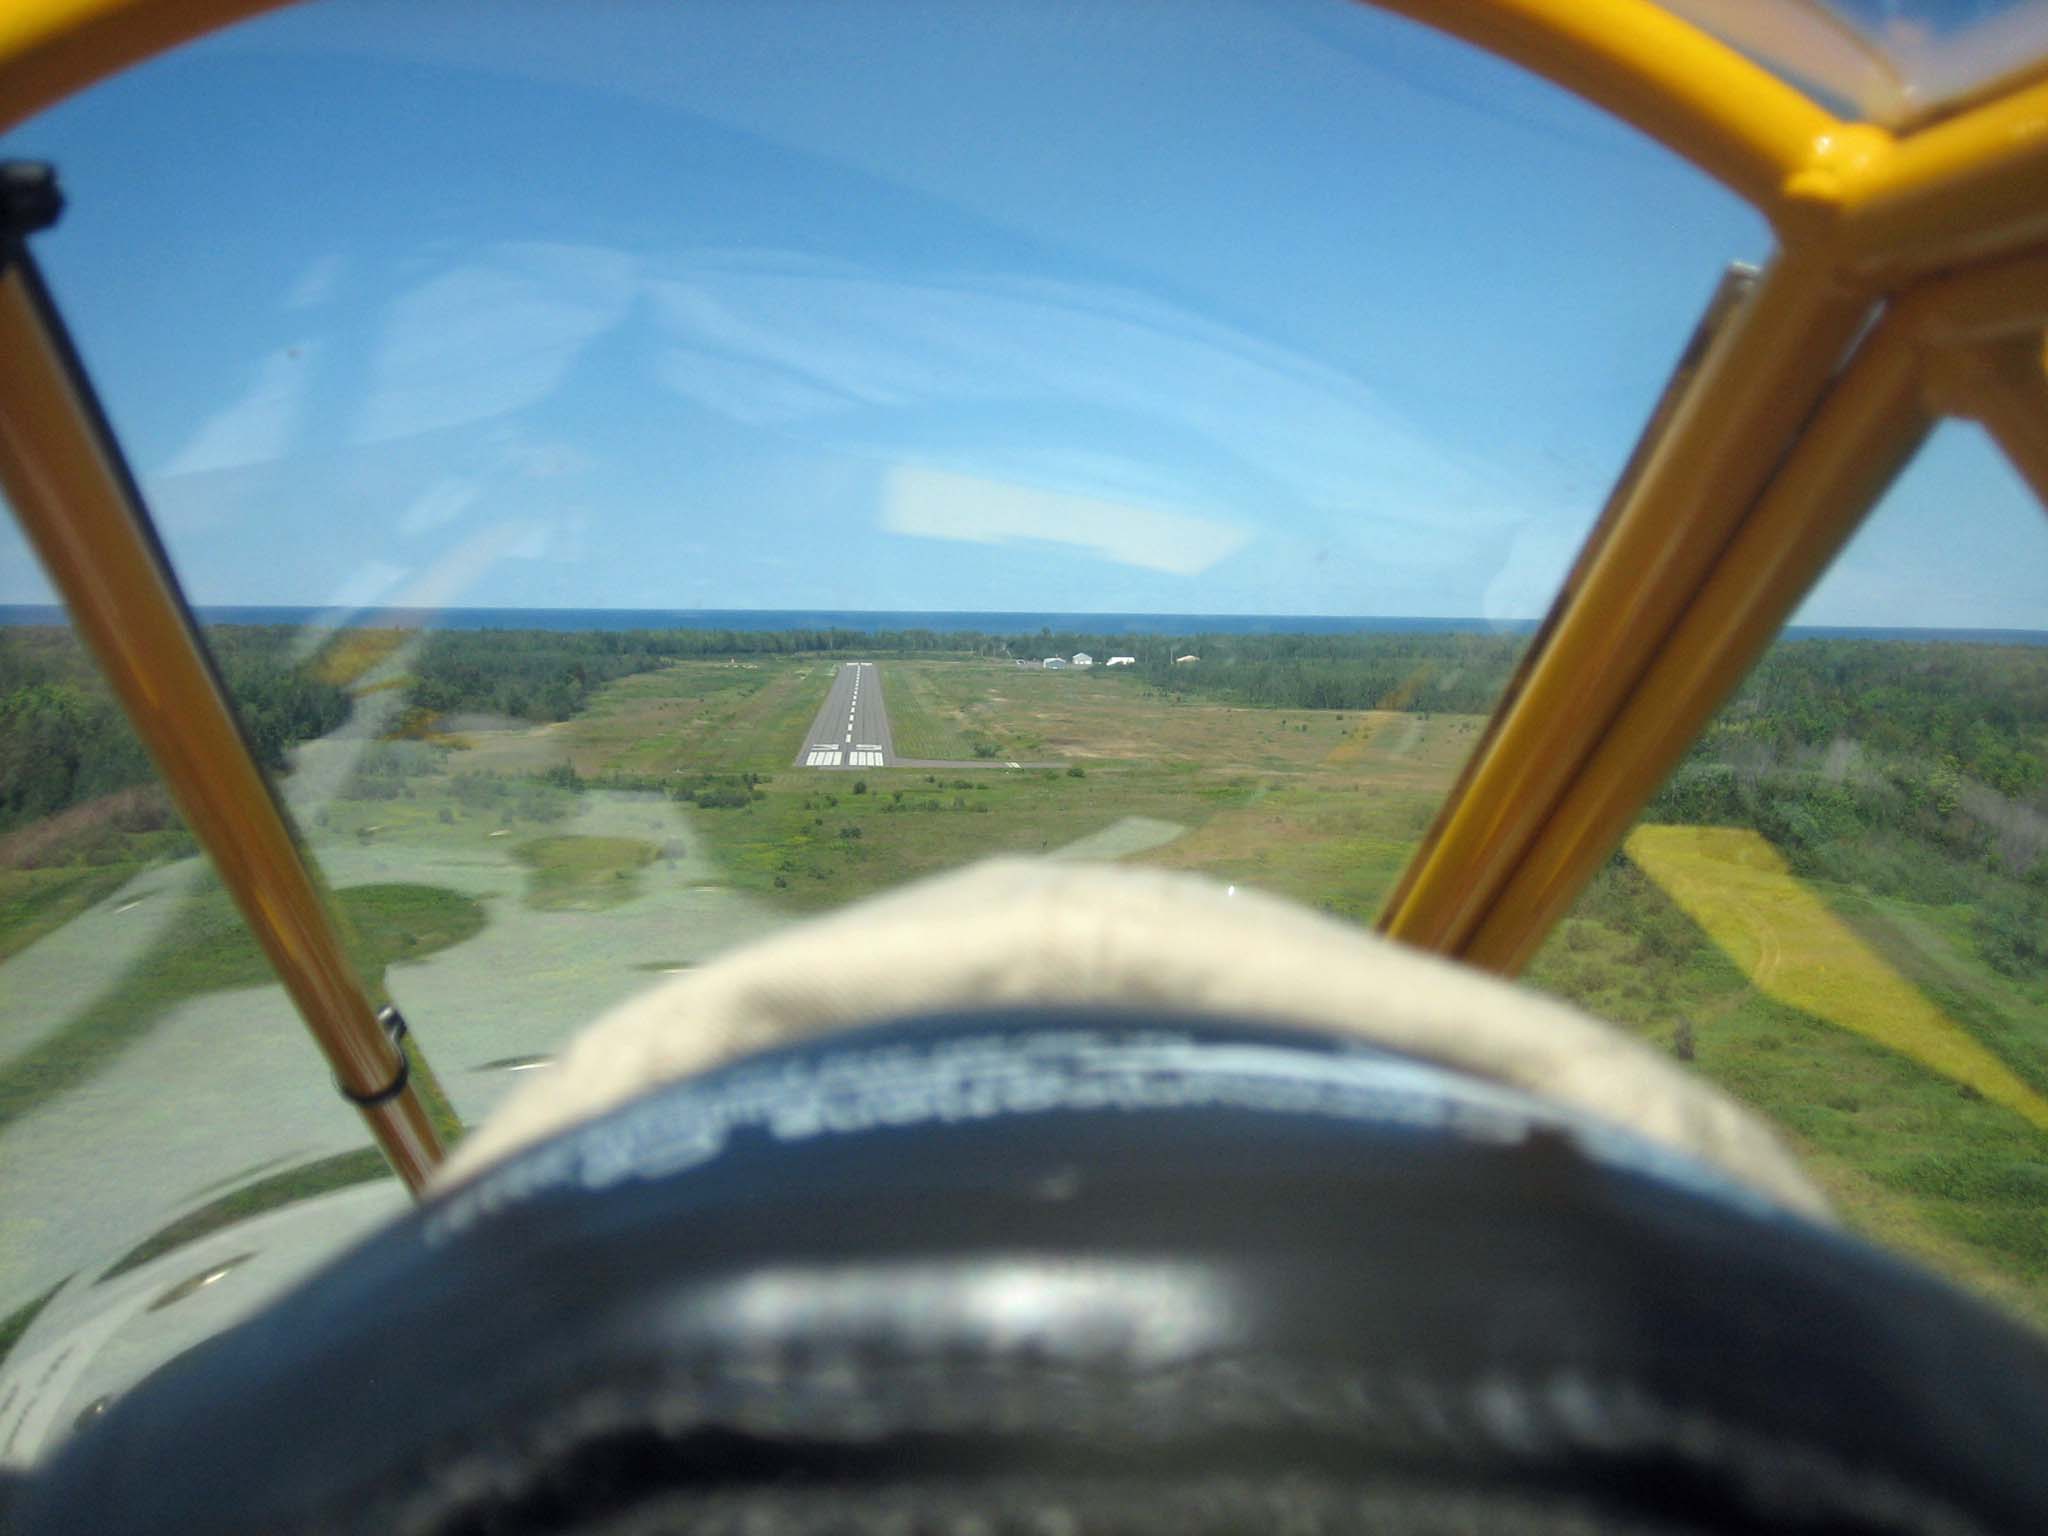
(1452,674)
(527,674)
(550,675)
(539,674)
(1831,736)
(281,701)
(1985,707)
(64,741)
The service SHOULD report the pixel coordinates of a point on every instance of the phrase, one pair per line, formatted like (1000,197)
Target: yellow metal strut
(73,494)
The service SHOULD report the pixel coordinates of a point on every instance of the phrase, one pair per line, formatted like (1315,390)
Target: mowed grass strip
(922,721)
(1099,715)
(1741,893)
(207,948)
(583,873)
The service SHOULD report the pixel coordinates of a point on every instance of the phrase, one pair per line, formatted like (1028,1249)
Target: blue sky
(1214,306)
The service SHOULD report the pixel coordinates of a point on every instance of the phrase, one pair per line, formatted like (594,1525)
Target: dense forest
(1833,738)
(1910,770)
(63,739)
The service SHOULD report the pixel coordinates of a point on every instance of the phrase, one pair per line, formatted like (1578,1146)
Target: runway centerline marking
(848,751)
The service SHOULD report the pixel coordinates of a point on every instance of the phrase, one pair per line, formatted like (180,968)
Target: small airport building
(1083,659)
(1054,663)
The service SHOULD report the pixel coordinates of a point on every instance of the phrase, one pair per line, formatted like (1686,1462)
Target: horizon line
(366,617)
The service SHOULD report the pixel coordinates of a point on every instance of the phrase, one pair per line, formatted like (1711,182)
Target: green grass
(1313,804)
(810,842)
(1935,948)
(418,822)
(1797,951)
(1324,841)
(207,948)
(691,716)
(583,873)
(16,1323)
(344,1170)
(33,902)
(923,721)
(1910,1158)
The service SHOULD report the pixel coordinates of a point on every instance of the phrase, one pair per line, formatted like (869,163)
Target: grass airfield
(504,909)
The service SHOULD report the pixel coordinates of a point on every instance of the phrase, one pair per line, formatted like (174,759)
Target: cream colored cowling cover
(1027,931)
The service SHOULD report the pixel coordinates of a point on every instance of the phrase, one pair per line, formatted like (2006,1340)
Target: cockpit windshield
(648,475)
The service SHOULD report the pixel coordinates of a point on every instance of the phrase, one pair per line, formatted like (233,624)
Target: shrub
(2012,933)
(477,790)
(714,791)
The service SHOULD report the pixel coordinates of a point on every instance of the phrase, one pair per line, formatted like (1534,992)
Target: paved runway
(852,728)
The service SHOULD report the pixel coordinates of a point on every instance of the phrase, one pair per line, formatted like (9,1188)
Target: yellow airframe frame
(1910,282)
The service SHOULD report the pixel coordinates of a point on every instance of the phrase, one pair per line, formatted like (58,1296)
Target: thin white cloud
(316,285)
(491,336)
(755,393)
(858,361)
(546,460)
(438,505)
(930,503)
(259,427)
